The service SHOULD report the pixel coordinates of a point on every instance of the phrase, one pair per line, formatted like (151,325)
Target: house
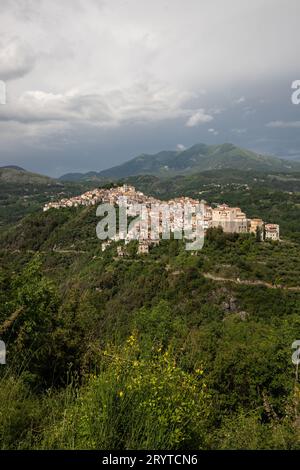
(160,218)
(256,226)
(143,248)
(231,219)
(271,232)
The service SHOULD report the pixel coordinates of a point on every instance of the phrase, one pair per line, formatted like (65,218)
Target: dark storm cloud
(93,83)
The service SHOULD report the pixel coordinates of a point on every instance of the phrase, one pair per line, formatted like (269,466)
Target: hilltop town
(230,219)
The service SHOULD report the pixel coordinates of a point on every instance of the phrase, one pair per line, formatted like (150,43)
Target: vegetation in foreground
(166,351)
(145,353)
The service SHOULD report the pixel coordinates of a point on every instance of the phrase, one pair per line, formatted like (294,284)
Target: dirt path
(250,283)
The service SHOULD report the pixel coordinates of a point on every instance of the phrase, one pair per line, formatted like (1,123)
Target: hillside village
(230,219)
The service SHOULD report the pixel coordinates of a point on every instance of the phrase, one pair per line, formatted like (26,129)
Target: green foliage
(23,414)
(135,404)
(23,193)
(31,306)
(247,432)
(230,310)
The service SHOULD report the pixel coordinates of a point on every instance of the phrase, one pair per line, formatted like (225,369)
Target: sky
(92,83)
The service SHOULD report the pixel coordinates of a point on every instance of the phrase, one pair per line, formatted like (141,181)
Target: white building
(271,231)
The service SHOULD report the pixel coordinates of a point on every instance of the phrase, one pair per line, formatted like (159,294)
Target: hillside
(17,175)
(166,350)
(23,192)
(170,335)
(197,158)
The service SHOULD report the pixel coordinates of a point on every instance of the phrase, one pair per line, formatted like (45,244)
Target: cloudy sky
(92,83)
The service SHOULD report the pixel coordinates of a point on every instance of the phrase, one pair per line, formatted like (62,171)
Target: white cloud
(180,147)
(284,124)
(16,58)
(213,131)
(200,117)
(141,102)
(240,100)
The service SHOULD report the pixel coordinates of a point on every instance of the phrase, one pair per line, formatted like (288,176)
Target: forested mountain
(17,175)
(199,157)
(22,192)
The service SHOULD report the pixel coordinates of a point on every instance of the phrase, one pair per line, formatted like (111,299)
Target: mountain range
(166,164)
(198,158)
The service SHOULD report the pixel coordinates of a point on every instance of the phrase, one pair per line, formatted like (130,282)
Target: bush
(135,404)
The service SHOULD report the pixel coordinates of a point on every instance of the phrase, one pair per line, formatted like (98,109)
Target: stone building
(271,232)
(231,219)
